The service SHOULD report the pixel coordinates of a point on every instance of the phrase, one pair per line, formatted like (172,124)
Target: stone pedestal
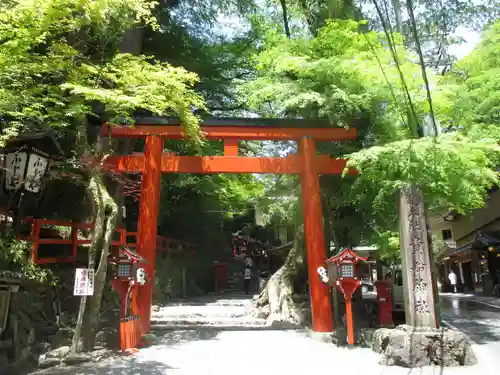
(410,347)
(420,304)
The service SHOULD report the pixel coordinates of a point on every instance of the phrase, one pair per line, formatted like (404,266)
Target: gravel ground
(246,349)
(212,352)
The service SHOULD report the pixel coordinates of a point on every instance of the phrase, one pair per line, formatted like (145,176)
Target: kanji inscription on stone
(420,303)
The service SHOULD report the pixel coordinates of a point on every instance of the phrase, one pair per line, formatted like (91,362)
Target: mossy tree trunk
(103,238)
(276,300)
(106,212)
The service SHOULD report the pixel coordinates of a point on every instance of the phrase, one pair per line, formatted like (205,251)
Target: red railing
(129,239)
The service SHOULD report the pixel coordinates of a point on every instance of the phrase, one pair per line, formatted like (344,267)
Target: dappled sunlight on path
(241,349)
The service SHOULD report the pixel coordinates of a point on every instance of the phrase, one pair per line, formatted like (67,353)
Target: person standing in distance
(247,277)
(452,276)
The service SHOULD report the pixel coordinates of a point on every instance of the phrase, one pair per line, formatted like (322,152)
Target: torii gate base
(307,164)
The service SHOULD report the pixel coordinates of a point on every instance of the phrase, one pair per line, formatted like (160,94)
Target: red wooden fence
(163,244)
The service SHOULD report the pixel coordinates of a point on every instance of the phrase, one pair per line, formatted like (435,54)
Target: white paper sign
(34,174)
(14,170)
(84,282)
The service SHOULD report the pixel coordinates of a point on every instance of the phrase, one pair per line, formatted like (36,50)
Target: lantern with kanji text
(347,282)
(26,160)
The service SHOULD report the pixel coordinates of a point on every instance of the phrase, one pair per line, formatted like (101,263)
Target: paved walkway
(247,347)
(485,300)
(479,319)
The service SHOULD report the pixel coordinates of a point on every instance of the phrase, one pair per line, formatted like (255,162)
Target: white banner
(84,282)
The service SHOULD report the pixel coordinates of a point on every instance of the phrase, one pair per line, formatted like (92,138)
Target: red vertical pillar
(35,238)
(314,235)
(148,223)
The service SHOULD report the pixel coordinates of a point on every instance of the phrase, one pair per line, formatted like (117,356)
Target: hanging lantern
(26,161)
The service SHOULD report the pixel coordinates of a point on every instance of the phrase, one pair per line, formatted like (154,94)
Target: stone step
(187,315)
(200,311)
(202,302)
(160,328)
(204,322)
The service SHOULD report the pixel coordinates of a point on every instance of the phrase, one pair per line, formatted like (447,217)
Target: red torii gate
(307,164)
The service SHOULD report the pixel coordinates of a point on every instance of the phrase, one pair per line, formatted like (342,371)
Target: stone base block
(409,347)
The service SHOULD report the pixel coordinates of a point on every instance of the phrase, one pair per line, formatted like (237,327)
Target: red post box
(384,300)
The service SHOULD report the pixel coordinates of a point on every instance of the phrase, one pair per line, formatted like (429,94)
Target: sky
(471,40)
(233,24)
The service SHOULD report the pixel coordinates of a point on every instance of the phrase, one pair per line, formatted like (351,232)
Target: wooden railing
(129,239)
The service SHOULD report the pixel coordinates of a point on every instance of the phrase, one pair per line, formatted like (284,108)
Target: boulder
(46,362)
(76,359)
(59,352)
(410,347)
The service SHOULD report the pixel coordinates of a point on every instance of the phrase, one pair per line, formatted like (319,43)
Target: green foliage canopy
(59,58)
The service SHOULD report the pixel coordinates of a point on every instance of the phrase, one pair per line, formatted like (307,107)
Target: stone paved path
(217,337)
(479,321)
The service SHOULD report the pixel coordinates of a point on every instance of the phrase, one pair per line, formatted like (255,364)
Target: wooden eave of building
(42,141)
(486,239)
(482,241)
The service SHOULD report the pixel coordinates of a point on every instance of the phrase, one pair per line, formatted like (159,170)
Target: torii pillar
(314,236)
(147,227)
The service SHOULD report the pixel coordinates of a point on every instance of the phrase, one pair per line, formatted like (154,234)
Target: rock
(100,337)
(75,359)
(100,354)
(261,313)
(150,339)
(46,362)
(411,347)
(59,352)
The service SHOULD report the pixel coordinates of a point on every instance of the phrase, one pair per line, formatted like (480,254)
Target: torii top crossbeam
(237,129)
(231,131)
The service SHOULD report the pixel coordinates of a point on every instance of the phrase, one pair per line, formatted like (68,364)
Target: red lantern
(347,282)
(126,263)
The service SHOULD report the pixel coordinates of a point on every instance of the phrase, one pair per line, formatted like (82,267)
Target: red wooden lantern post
(127,278)
(347,282)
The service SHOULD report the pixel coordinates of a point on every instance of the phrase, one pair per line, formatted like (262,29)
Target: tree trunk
(106,232)
(275,300)
(97,236)
(284,12)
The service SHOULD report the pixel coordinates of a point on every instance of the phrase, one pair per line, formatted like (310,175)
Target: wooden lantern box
(126,263)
